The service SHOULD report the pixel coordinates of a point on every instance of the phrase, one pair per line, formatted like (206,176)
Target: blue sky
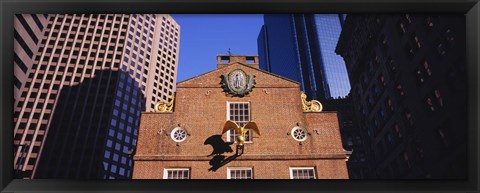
(204,36)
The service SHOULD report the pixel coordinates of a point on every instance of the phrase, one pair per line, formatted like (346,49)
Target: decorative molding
(238,83)
(310,106)
(240,131)
(164,107)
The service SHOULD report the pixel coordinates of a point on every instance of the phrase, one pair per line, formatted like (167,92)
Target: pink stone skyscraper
(78,112)
(27,33)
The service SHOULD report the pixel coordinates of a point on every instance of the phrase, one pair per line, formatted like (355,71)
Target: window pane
(303,173)
(241,173)
(239,112)
(178,174)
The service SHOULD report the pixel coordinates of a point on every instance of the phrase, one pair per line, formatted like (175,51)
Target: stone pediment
(263,79)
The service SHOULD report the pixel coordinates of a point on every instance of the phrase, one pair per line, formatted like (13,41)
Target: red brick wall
(275,105)
(324,169)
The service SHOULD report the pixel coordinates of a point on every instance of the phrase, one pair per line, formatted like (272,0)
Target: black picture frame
(471,8)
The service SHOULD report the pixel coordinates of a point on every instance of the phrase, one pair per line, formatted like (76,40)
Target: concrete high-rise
(27,33)
(77,116)
(409,87)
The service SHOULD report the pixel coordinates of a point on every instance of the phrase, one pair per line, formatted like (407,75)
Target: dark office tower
(357,163)
(27,33)
(342,18)
(94,129)
(301,47)
(409,90)
(79,110)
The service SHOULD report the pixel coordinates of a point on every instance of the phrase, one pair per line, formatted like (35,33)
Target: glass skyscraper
(301,47)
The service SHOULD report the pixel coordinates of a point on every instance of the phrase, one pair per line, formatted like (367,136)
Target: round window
(299,134)
(178,134)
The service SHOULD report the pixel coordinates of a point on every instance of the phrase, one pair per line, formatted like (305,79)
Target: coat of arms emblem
(237,83)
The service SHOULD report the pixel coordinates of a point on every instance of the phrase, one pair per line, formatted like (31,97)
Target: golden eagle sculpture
(240,131)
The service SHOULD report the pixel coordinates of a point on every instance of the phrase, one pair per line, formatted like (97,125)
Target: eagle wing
(253,126)
(229,125)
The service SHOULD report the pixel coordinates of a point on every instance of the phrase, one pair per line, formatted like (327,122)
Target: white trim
(228,118)
(173,132)
(165,171)
(302,168)
(238,168)
(298,128)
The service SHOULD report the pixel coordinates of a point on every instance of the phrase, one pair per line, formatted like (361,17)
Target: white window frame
(172,134)
(250,133)
(302,168)
(229,169)
(292,132)
(165,171)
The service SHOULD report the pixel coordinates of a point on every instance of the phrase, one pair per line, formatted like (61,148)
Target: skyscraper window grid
(79,48)
(25,47)
(301,47)
(328,28)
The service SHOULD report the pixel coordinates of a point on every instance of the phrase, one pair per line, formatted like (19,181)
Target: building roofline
(278,76)
(237,55)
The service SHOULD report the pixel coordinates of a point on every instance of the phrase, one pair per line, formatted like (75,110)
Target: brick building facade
(179,144)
